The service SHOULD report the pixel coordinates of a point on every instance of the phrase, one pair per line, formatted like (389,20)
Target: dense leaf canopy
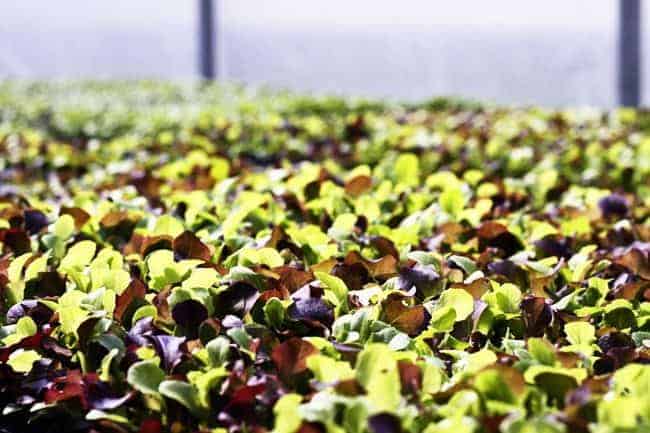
(218,259)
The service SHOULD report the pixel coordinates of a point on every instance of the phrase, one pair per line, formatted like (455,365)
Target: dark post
(629,53)
(207,40)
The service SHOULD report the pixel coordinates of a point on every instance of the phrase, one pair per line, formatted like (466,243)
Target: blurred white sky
(554,52)
(493,14)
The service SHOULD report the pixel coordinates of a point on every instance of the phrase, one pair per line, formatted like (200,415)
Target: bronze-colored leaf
(410,319)
(290,357)
(188,246)
(358,185)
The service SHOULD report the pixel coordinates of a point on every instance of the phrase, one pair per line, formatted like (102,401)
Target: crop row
(213,258)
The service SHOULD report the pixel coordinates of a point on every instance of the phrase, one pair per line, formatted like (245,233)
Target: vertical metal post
(207,39)
(629,53)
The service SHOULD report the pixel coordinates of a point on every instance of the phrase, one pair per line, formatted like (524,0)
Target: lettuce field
(219,259)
